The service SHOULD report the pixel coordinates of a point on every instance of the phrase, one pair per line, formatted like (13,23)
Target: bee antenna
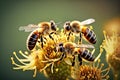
(51,20)
(59,23)
(67,21)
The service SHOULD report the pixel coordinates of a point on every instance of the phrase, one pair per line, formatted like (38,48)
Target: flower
(112,25)
(29,62)
(46,58)
(111,45)
(90,72)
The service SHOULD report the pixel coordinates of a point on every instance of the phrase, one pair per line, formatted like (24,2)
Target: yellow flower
(90,72)
(112,25)
(40,59)
(29,62)
(111,45)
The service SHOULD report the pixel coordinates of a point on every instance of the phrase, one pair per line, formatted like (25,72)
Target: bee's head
(67,26)
(53,25)
(60,47)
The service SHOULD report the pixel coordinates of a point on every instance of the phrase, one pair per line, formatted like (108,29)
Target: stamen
(107,69)
(18,58)
(101,66)
(98,63)
(23,54)
(52,67)
(35,71)
(101,51)
(93,51)
(116,58)
(13,62)
(47,65)
(24,60)
(26,52)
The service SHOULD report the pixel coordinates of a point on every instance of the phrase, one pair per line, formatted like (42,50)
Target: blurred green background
(14,14)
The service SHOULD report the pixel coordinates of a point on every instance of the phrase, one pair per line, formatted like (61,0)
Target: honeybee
(73,49)
(78,27)
(38,33)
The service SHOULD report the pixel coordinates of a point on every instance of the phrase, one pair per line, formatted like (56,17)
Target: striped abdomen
(89,35)
(32,39)
(86,54)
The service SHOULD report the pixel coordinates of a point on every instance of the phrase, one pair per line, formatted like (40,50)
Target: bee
(38,32)
(72,49)
(78,27)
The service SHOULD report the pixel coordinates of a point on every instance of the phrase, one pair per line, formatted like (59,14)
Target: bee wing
(84,46)
(28,28)
(87,22)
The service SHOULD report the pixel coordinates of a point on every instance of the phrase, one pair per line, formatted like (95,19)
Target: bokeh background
(14,14)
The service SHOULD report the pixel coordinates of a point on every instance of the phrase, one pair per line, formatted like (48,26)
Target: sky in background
(14,14)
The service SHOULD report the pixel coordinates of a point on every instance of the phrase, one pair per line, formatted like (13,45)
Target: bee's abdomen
(87,55)
(89,35)
(32,40)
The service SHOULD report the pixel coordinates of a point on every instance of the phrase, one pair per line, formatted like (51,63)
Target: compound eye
(53,26)
(67,27)
(61,49)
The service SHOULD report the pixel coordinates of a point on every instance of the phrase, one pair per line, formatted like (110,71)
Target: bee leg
(52,32)
(80,40)
(51,36)
(73,63)
(80,59)
(44,42)
(41,39)
(63,56)
(45,38)
(69,36)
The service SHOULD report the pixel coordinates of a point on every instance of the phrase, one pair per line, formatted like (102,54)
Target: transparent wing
(87,22)
(28,28)
(84,46)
